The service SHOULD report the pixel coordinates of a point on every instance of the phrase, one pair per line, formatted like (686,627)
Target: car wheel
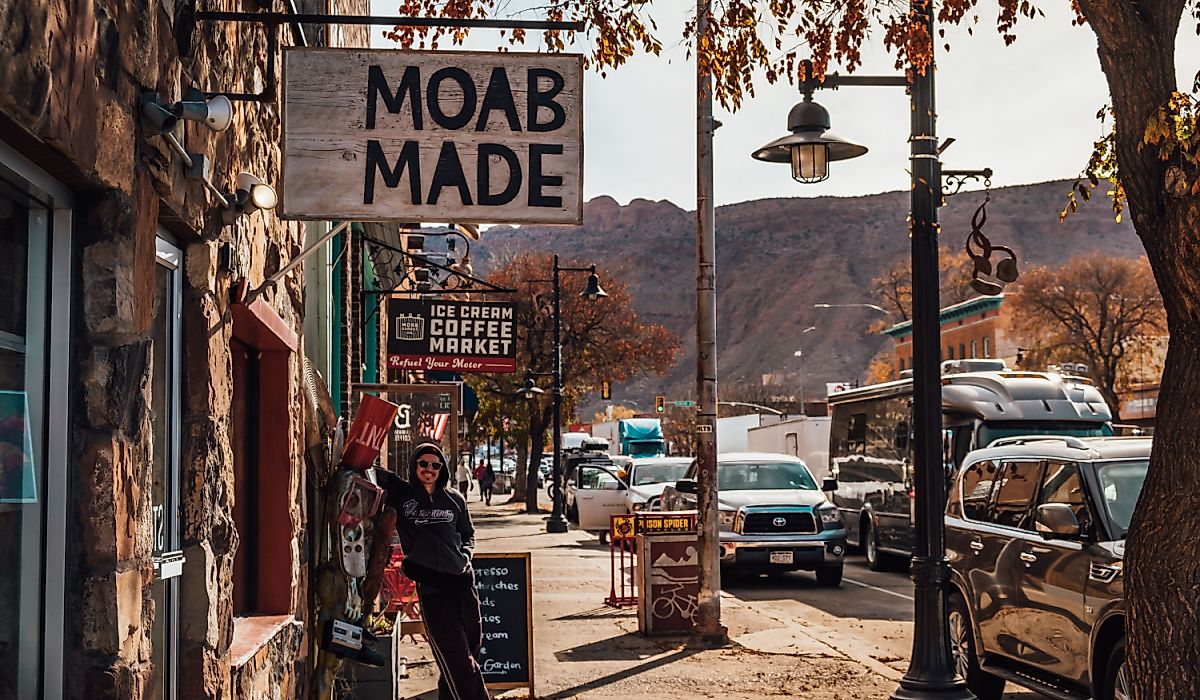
(1116,675)
(829,576)
(604,537)
(875,558)
(984,685)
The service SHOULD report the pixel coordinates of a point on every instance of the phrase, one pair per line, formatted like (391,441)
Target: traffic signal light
(660,404)
(605,390)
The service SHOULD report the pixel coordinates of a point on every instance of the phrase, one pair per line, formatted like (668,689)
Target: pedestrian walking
(486,481)
(438,539)
(479,479)
(463,477)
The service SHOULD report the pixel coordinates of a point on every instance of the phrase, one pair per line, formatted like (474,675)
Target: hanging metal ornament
(985,279)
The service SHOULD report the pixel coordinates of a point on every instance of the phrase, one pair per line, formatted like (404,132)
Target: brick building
(976,328)
(152,475)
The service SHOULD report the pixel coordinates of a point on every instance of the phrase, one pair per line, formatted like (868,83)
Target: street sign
(605,389)
(685,404)
(387,135)
(463,336)
(702,428)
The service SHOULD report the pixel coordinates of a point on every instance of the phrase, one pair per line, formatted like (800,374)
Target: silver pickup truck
(773,516)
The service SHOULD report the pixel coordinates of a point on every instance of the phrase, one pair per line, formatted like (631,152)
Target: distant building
(1139,405)
(972,329)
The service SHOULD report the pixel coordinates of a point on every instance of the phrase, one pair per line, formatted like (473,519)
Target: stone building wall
(70,78)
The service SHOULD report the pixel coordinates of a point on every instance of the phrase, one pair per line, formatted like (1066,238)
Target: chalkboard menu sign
(506,604)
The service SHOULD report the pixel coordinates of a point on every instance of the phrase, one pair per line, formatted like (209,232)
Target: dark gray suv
(1035,535)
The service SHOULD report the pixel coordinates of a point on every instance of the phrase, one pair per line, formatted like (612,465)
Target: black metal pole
(557,523)
(931,671)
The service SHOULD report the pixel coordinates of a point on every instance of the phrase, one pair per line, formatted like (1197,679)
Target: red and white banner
(368,432)
(433,426)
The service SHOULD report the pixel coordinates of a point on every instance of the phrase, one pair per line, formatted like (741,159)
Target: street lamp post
(931,673)
(557,521)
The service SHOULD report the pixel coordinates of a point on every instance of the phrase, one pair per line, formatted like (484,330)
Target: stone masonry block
(114,162)
(109,290)
(201,264)
(207,369)
(200,595)
(116,385)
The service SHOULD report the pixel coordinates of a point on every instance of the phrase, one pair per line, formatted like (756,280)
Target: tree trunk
(537,439)
(1137,48)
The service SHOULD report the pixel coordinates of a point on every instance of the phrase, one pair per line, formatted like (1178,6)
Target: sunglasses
(429,465)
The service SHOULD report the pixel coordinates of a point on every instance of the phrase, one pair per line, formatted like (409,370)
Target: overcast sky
(1027,111)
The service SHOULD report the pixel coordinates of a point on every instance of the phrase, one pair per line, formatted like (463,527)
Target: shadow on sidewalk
(598,614)
(648,665)
(625,647)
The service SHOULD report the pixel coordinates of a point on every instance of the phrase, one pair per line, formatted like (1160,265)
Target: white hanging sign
(386,135)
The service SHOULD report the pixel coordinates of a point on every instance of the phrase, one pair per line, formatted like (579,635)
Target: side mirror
(686,486)
(829,483)
(1056,520)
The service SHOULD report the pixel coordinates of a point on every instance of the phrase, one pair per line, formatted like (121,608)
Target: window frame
(55,204)
(168,565)
(996,487)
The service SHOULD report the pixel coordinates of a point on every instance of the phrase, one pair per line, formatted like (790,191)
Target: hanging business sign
(460,336)
(386,135)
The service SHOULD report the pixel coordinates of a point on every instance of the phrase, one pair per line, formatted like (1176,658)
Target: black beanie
(429,448)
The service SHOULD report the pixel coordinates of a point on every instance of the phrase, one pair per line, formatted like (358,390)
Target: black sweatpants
(455,632)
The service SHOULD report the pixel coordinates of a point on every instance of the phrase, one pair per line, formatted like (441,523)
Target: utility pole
(707,630)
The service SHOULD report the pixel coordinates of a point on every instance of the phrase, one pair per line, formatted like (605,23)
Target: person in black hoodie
(438,538)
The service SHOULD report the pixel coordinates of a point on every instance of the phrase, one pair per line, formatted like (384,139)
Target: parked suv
(772,516)
(1035,535)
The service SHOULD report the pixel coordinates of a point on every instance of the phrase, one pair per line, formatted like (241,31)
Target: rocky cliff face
(778,257)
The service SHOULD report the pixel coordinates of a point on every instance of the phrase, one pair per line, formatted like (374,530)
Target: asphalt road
(871,613)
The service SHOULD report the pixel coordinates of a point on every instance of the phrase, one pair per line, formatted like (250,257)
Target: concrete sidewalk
(583,649)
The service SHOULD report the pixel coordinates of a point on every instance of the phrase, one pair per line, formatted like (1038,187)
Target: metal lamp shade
(811,146)
(530,390)
(593,290)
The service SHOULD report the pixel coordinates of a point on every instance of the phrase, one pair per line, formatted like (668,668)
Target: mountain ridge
(777,257)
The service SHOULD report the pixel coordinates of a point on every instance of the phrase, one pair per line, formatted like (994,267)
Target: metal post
(931,671)
(800,376)
(557,523)
(707,630)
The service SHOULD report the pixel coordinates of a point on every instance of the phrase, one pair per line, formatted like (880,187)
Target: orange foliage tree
(601,339)
(1094,309)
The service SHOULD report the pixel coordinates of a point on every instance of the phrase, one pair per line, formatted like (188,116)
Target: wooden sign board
(504,582)
(386,135)
(668,585)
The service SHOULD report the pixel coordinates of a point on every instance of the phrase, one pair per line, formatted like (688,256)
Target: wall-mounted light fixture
(215,112)
(251,195)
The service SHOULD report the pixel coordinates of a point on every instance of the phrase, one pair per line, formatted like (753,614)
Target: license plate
(781,557)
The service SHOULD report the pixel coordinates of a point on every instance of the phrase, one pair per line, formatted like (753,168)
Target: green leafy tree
(601,339)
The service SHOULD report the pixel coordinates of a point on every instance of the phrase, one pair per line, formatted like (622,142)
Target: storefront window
(22,351)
